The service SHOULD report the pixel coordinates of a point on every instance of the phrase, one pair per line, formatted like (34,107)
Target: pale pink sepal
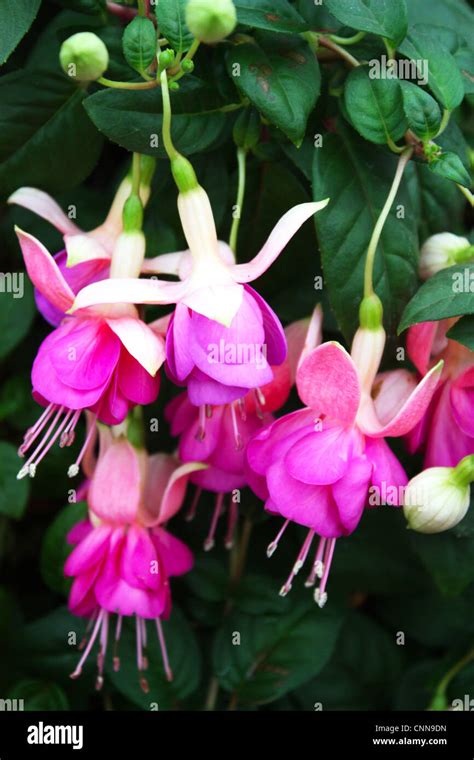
(142,343)
(44,273)
(302,336)
(175,490)
(281,234)
(408,416)
(115,491)
(129,290)
(85,247)
(419,342)
(327,382)
(42,204)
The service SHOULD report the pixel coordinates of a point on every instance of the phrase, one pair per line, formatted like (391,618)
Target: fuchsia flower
(87,256)
(103,359)
(446,430)
(223,337)
(320,461)
(123,556)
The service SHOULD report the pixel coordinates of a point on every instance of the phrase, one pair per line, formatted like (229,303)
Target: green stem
(234,231)
(440,692)
(444,122)
(467,193)
(394,147)
(347,40)
(188,57)
(374,240)
(328,43)
(136,170)
(390,49)
(212,694)
(128,85)
(463,473)
(141,8)
(167,141)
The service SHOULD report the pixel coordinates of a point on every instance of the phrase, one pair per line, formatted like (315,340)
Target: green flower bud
(371,312)
(211,20)
(437,499)
(84,57)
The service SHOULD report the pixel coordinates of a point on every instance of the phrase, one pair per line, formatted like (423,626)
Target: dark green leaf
(43,123)
(39,695)
(357,178)
(465,60)
(450,166)
(448,558)
(463,332)
(172,23)
(134,119)
(441,204)
(260,658)
(13,492)
(422,111)
(444,77)
(91,7)
(449,293)
(17,310)
(17,18)
(273,15)
(280,76)
(55,548)
(375,106)
(139,43)
(387,18)
(49,646)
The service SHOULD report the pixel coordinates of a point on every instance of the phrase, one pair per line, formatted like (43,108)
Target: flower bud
(435,500)
(128,254)
(211,20)
(443,250)
(84,57)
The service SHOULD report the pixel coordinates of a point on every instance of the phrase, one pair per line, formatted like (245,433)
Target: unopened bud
(436,500)
(84,57)
(443,250)
(211,20)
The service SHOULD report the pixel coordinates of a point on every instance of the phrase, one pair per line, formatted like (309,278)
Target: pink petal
(302,337)
(281,234)
(139,566)
(388,476)
(134,382)
(173,496)
(141,342)
(115,489)
(89,552)
(43,205)
(462,401)
(44,273)
(350,493)
(83,353)
(327,381)
(446,443)
(390,391)
(176,557)
(273,442)
(420,340)
(408,416)
(321,457)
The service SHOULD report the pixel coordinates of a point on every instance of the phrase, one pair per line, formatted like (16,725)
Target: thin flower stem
(444,122)
(188,57)
(234,231)
(212,694)
(448,677)
(467,193)
(328,43)
(136,160)
(128,85)
(142,8)
(347,40)
(374,240)
(166,129)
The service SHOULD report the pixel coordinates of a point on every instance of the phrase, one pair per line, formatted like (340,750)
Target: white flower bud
(435,500)
(441,251)
(211,20)
(84,57)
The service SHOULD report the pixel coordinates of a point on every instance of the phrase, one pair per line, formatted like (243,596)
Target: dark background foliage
(401,606)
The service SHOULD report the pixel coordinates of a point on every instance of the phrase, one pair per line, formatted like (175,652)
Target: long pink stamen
(118,631)
(25,470)
(89,646)
(271,548)
(34,465)
(320,595)
(237,437)
(33,432)
(318,566)
(231,523)
(74,468)
(209,542)
(194,505)
(300,560)
(67,438)
(104,633)
(164,653)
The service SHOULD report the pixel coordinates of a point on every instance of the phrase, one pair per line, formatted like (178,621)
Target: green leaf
(387,18)
(47,138)
(441,205)
(274,653)
(463,332)
(357,178)
(450,166)
(280,76)
(185,661)
(49,646)
(139,43)
(422,111)
(55,548)
(449,293)
(16,20)
(375,106)
(134,119)
(39,695)
(17,310)
(273,15)
(172,23)
(465,60)
(13,492)
(91,7)
(448,558)
(444,77)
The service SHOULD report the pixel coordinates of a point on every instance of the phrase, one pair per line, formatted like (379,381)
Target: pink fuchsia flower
(446,430)
(105,360)
(124,556)
(320,461)
(223,338)
(87,256)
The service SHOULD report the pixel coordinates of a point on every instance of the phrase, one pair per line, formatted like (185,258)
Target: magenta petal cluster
(320,462)
(446,430)
(123,556)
